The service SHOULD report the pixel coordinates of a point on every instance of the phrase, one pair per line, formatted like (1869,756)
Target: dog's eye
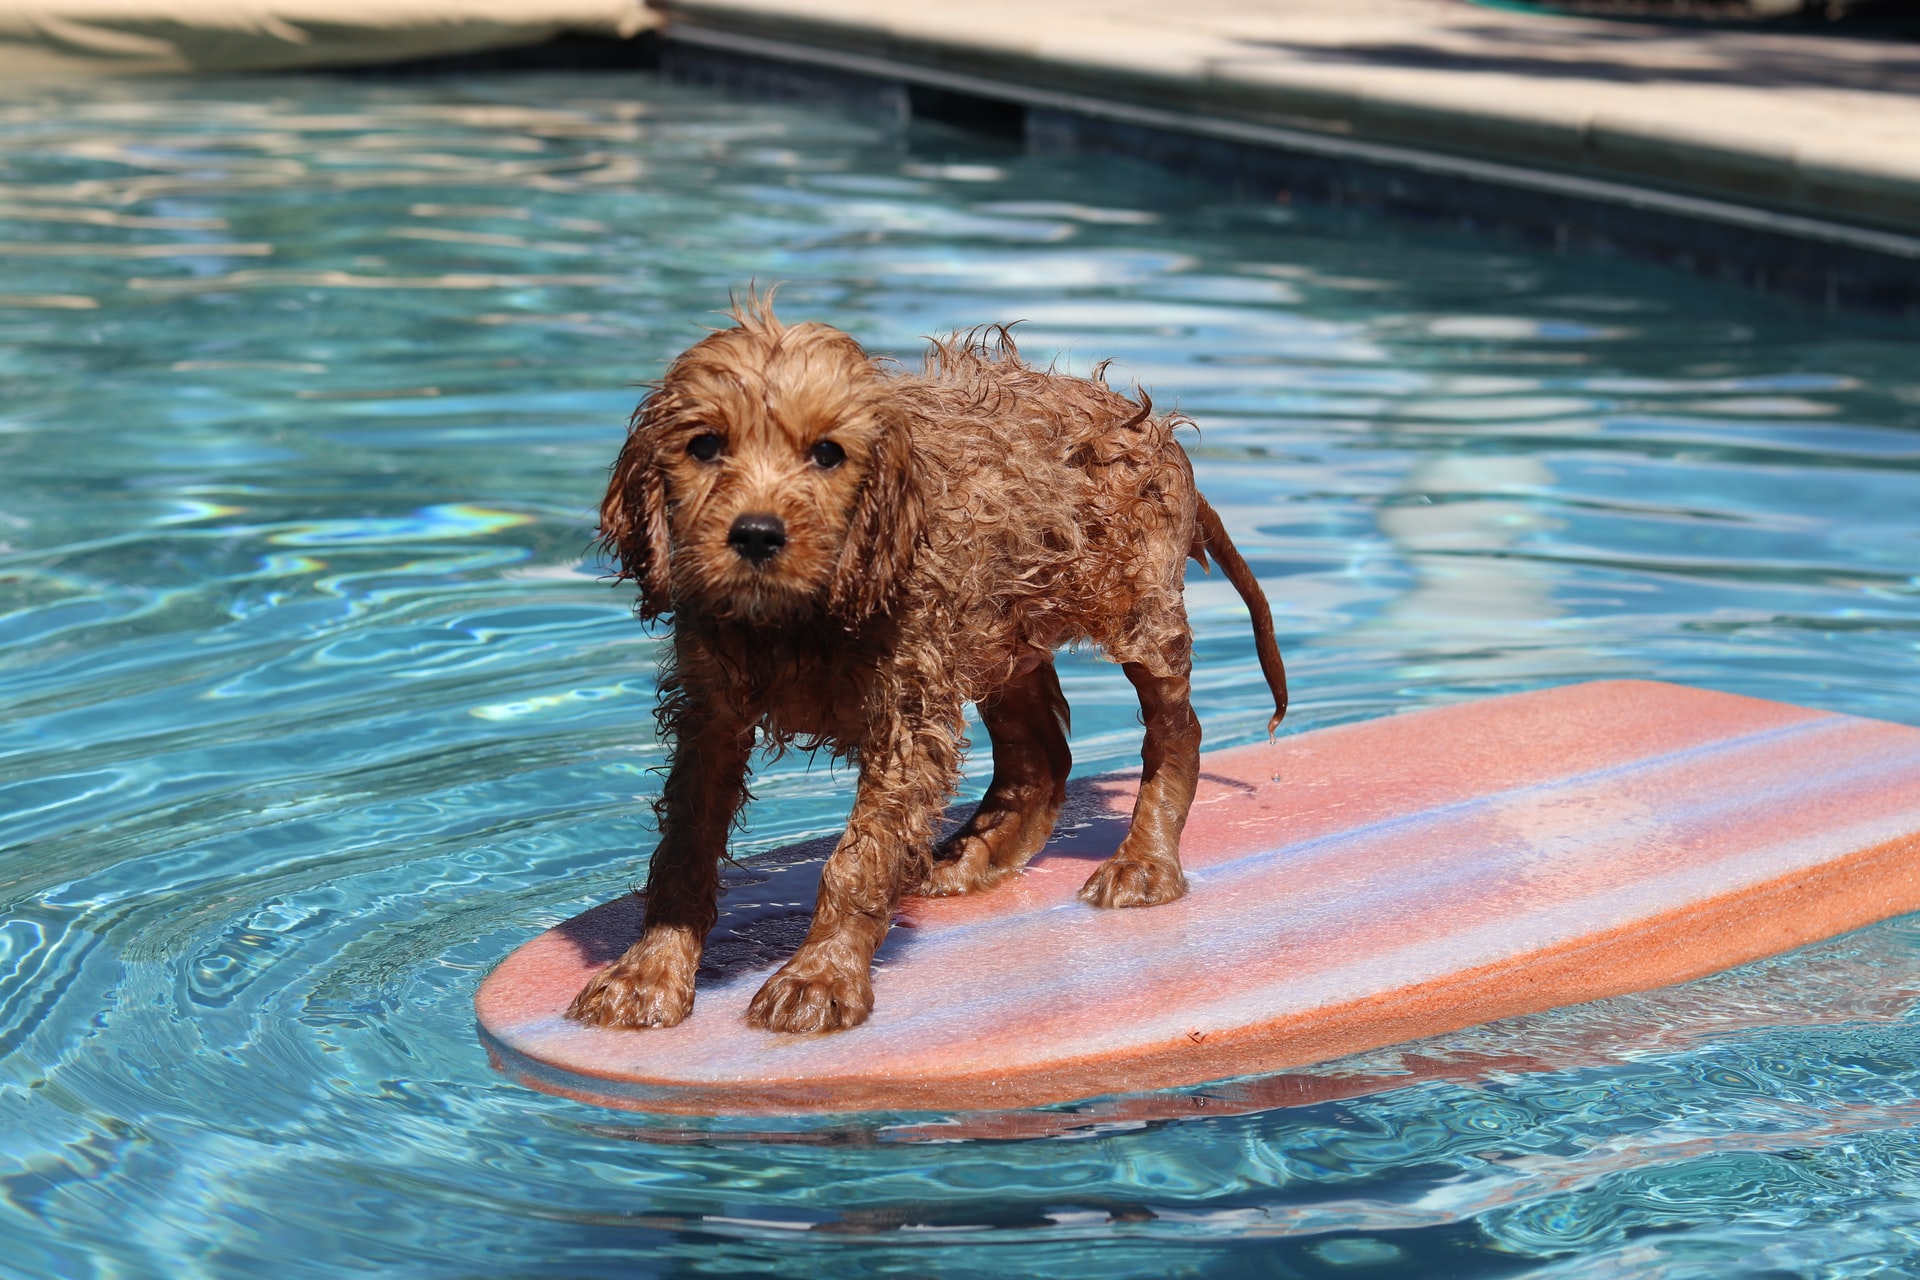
(827,455)
(705,446)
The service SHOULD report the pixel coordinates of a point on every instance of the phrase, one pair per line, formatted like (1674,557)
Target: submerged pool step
(1352,887)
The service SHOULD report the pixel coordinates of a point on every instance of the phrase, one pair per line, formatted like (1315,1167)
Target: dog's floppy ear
(633,515)
(888,516)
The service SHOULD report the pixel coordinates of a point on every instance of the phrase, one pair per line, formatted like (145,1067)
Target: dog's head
(766,479)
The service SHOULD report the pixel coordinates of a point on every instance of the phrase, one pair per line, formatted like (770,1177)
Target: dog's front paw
(643,988)
(1124,882)
(812,995)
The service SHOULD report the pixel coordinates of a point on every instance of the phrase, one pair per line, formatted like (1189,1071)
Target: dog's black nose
(757,538)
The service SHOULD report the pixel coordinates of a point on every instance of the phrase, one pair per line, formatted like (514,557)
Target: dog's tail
(1212,536)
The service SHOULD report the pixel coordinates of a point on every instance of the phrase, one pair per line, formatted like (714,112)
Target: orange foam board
(1351,888)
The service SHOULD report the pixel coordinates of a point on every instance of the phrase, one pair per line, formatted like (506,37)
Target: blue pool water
(317,703)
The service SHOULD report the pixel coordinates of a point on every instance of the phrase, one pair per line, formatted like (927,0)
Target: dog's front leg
(827,985)
(651,985)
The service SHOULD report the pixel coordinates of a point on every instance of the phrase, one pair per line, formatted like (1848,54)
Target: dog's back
(1053,502)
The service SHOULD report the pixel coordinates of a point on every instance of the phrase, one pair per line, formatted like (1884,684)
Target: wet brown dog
(850,555)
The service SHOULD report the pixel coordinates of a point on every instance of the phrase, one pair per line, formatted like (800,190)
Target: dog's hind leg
(651,984)
(1145,871)
(1027,721)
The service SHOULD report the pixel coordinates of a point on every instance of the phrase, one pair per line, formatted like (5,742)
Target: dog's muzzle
(757,538)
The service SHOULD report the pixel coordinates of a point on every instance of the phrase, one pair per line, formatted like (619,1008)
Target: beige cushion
(61,37)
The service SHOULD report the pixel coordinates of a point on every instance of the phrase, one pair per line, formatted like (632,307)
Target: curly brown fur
(849,556)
